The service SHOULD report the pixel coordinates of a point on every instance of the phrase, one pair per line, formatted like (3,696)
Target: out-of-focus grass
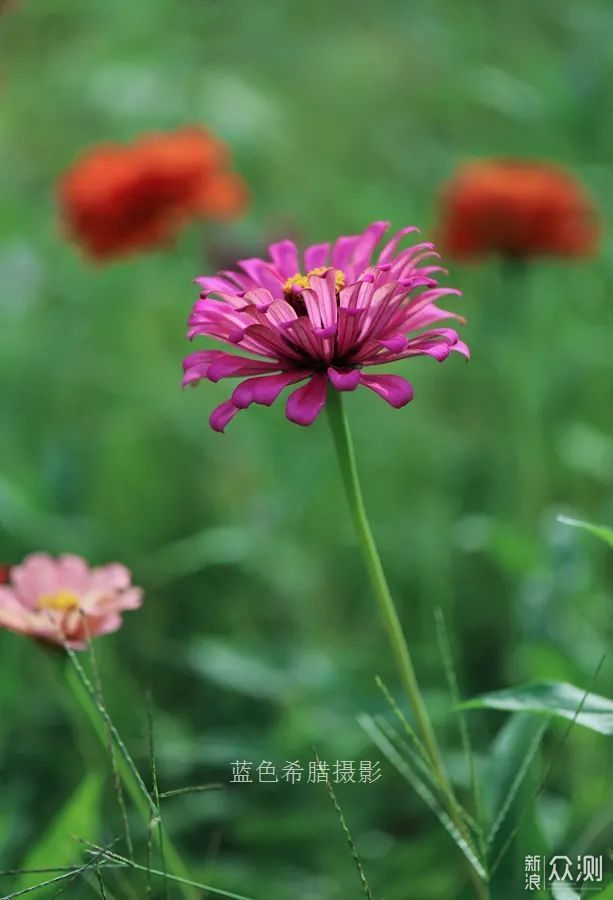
(258,634)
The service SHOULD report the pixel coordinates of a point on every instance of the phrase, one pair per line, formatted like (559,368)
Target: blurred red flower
(5,573)
(516,208)
(118,199)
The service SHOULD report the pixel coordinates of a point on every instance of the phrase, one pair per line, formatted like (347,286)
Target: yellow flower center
(302,281)
(63,601)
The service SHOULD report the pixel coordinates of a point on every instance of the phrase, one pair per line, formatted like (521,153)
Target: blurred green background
(259,637)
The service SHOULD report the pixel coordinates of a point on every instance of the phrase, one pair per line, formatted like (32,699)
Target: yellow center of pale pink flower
(63,601)
(302,281)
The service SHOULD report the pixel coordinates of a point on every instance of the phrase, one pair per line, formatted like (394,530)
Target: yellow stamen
(302,281)
(63,601)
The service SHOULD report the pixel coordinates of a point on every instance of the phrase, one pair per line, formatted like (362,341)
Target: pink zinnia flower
(63,600)
(322,320)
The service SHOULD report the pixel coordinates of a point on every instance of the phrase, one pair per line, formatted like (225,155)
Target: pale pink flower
(64,601)
(323,320)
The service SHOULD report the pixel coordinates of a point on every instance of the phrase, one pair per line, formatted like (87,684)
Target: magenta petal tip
(364,307)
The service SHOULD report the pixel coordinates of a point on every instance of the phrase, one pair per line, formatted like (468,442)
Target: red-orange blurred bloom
(516,208)
(119,199)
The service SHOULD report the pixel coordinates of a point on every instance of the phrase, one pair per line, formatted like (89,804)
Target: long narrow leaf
(513,752)
(454,689)
(80,815)
(419,786)
(413,759)
(600,531)
(557,750)
(554,699)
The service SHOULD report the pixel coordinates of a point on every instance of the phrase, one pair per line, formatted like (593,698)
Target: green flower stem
(349,471)
(346,457)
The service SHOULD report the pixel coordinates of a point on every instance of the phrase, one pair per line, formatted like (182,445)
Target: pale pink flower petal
(64,601)
(36,574)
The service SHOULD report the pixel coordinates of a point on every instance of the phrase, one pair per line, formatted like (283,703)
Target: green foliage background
(259,637)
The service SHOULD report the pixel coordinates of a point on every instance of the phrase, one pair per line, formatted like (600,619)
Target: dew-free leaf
(554,699)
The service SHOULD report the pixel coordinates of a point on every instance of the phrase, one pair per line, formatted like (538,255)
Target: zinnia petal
(397,391)
(64,601)
(265,389)
(316,256)
(344,381)
(347,309)
(229,366)
(304,405)
(222,414)
(284,255)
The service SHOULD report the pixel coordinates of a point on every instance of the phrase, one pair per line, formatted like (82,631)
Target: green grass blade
(188,882)
(99,718)
(157,822)
(600,531)
(79,815)
(454,689)
(422,789)
(117,783)
(194,789)
(513,752)
(399,743)
(352,847)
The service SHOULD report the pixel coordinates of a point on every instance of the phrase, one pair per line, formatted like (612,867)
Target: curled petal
(366,244)
(304,405)
(397,391)
(265,389)
(215,283)
(439,352)
(461,347)
(344,381)
(228,366)
(222,414)
(387,254)
(431,314)
(395,344)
